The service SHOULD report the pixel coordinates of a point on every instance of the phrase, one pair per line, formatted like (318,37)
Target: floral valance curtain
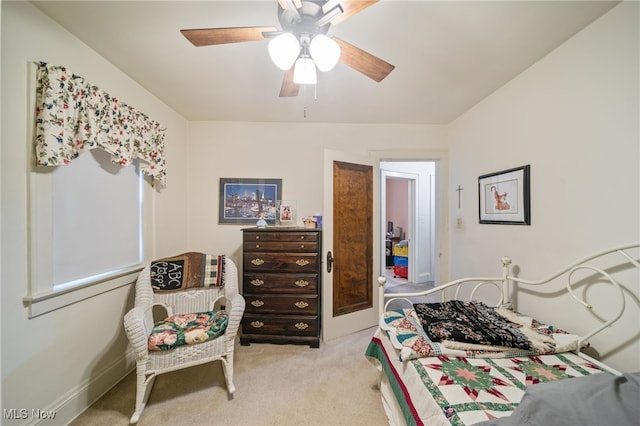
(73,116)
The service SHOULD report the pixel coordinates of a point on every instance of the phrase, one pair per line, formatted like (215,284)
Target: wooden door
(351,235)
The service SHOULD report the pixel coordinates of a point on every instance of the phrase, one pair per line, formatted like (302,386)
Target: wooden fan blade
(364,62)
(288,4)
(289,88)
(349,8)
(212,36)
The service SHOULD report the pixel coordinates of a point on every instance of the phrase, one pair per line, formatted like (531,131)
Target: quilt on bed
(471,330)
(467,390)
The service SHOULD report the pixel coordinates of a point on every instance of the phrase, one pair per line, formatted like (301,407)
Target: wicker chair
(138,323)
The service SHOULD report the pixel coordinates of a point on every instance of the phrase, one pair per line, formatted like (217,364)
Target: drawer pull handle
(257,261)
(301,246)
(257,237)
(257,245)
(302,262)
(302,237)
(301,304)
(257,282)
(257,303)
(302,326)
(257,324)
(302,283)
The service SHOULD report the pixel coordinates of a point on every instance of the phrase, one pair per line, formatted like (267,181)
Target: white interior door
(333,327)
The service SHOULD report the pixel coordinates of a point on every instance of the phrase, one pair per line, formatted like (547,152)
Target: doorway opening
(408,216)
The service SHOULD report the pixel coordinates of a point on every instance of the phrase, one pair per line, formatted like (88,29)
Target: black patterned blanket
(475,323)
(470,322)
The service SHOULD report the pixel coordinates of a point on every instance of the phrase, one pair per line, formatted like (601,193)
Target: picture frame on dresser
(286,212)
(504,197)
(245,200)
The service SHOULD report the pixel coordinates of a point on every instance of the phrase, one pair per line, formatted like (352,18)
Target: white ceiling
(448,55)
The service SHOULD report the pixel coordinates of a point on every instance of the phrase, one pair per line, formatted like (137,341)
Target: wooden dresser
(281,282)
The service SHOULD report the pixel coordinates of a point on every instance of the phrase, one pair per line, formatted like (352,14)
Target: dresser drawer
(293,325)
(282,304)
(289,262)
(278,236)
(288,246)
(269,282)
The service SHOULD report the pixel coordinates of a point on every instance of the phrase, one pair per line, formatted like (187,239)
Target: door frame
(441,197)
(412,180)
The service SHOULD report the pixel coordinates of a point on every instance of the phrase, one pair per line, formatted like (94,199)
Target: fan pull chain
(304,98)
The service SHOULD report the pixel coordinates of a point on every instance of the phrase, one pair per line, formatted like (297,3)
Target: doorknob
(329,261)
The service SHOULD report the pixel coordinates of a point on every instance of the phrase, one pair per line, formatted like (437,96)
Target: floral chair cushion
(187,329)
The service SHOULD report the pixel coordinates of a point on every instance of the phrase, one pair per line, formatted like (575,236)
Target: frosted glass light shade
(305,72)
(284,50)
(325,52)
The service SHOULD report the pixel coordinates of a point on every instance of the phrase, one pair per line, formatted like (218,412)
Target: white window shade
(97,219)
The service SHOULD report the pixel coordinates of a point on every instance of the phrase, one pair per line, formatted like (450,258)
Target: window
(87,230)
(87,224)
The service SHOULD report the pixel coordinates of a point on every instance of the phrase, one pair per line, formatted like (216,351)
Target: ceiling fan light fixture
(305,71)
(325,52)
(283,50)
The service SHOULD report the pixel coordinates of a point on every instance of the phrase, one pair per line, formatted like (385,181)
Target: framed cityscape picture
(246,200)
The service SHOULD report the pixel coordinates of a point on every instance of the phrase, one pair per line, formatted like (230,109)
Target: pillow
(187,329)
(598,399)
(186,271)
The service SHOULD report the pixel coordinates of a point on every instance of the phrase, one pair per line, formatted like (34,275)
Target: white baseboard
(77,400)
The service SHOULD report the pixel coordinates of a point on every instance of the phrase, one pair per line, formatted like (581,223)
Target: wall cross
(459,189)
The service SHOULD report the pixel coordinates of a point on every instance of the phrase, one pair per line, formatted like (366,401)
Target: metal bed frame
(505,284)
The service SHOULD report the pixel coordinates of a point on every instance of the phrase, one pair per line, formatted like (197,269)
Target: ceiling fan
(308,21)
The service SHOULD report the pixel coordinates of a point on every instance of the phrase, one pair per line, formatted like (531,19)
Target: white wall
(574,117)
(63,360)
(292,152)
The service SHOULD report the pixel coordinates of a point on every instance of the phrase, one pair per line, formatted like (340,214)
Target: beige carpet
(402,285)
(275,385)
